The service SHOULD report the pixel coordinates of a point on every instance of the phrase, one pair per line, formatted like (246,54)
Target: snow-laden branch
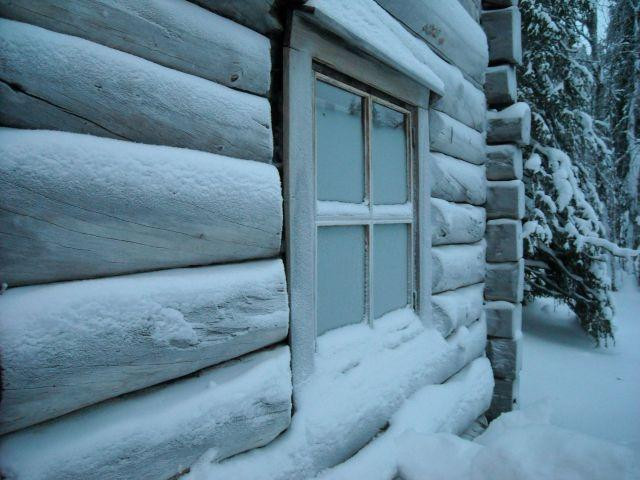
(611,247)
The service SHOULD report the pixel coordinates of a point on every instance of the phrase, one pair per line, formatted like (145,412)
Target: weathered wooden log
(456,180)
(69,345)
(457,308)
(500,86)
(505,355)
(488,4)
(505,281)
(505,199)
(453,223)
(503,34)
(455,266)
(504,240)
(59,82)
(504,162)
(473,8)
(260,15)
(461,100)
(513,124)
(76,206)
(505,397)
(159,432)
(447,28)
(504,319)
(173,33)
(453,138)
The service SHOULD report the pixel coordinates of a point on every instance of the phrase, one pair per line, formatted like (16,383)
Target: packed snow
(592,390)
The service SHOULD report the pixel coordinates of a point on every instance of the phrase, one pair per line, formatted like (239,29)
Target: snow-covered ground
(591,390)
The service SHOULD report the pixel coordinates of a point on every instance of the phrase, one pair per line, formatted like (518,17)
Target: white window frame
(306,45)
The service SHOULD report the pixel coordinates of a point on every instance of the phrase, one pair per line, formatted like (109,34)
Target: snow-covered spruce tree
(564,233)
(621,72)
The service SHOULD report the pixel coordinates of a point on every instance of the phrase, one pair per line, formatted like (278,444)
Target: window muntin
(382,211)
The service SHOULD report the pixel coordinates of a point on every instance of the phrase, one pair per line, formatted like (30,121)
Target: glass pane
(339,144)
(388,156)
(341,276)
(390,267)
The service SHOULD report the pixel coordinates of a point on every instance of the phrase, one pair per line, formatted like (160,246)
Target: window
(364,206)
(354,171)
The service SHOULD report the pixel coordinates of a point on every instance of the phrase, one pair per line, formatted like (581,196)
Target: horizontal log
(504,240)
(506,395)
(448,30)
(157,433)
(473,8)
(504,319)
(456,180)
(453,138)
(461,100)
(453,223)
(260,15)
(457,308)
(505,355)
(504,162)
(130,332)
(173,33)
(59,82)
(503,27)
(513,124)
(505,199)
(77,206)
(505,281)
(455,266)
(501,85)
(488,4)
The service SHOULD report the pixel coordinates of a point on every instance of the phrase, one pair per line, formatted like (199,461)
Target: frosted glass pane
(341,276)
(390,268)
(339,144)
(388,156)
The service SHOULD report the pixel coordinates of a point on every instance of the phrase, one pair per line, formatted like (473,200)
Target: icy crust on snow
(447,408)
(68,345)
(157,433)
(371,28)
(518,445)
(362,376)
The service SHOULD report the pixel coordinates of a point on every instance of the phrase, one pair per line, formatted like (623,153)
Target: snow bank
(450,407)
(518,445)
(82,206)
(370,27)
(68,345)
(361,378)
(157,433)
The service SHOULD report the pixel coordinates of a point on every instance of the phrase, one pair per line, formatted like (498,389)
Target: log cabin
(238,234)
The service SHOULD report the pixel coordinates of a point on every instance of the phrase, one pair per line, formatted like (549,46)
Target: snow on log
(174,33)
(505,355)
(55,81)
(504,240)
(505,281)
(505,199)
(69,345)
(503,34)
(453,138)
(473,8)
(258,15)
(504,162)
(456,180)
(456,223)
(504,319)
(457,308)
(362,376)
(501,85)
(159,432)
(505,397)
(448,30)
(456,266)
(77,206)
(512,124)
(461,100)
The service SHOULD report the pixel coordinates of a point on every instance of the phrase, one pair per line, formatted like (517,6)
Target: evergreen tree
(568,163)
